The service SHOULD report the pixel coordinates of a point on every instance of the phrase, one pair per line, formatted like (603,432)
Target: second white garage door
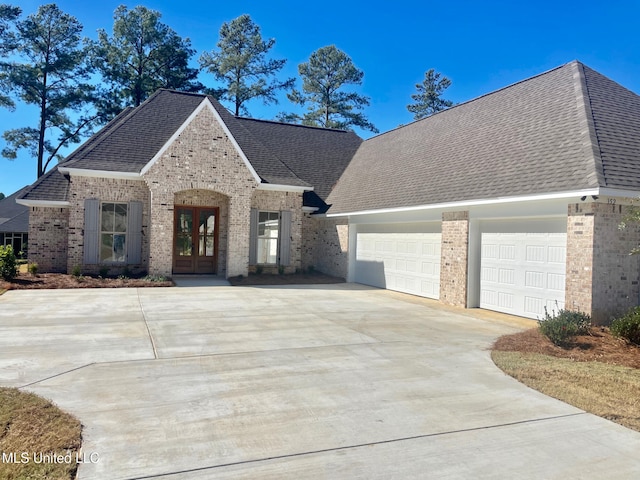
(522,273)
(405,262)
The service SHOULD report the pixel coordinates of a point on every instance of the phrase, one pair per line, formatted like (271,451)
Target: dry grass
(31,425)
(598,373)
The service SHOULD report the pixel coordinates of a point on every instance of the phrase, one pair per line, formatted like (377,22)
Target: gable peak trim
(206,103)
(590,142)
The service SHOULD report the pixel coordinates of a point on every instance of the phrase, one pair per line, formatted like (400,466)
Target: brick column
(579,268)
(602,278)
(454,258)
(48,236)
(161,228)
(238,236)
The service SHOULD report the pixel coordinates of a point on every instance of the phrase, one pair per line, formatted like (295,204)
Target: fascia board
(42,203)
(83,172)
(283,188)
(470,203)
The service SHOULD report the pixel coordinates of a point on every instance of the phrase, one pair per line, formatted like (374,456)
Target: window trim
(277,238)
(102,232)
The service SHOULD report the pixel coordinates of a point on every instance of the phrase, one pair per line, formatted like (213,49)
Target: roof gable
(131,140)
(535,137)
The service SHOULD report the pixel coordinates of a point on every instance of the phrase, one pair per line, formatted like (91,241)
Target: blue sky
(480,46)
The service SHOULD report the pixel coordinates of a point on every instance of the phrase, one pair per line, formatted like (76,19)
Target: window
(113,232)
(17,240)
(268,226)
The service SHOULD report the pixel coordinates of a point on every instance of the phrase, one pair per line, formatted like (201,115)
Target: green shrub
(33,268)
(628,326)
(76,271)
(8,266)
(563,326)
(104,271)
(155,278)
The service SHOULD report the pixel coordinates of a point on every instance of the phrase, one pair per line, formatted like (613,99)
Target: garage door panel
(406,262)
(521,273)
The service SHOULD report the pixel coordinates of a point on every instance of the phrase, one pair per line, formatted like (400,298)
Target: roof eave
(284,188)
(471,203)
(85,172)
(43,203)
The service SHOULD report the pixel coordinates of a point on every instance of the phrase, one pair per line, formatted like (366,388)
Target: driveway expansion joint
(350,447)
(146,324)
(57,375)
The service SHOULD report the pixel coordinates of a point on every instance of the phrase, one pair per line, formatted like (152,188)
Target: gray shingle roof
(53,186)
(281,154)
(616,117)
(133,138)
(551,133)
(13,216)
(319,156)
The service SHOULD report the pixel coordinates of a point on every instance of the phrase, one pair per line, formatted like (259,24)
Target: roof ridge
(298,125)
(461,104)
(591,142)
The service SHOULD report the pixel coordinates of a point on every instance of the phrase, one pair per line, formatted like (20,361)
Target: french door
(195,239)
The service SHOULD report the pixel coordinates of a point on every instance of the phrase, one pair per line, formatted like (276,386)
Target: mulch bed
(26,281)
(599,346)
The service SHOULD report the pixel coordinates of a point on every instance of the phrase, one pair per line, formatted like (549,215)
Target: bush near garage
(563,326)
(8,265)
(628,326)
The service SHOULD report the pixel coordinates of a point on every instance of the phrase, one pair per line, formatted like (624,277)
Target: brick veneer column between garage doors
(454,258)
(602,278)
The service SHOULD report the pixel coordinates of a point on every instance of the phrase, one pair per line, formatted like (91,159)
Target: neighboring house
(509,202)
(14,223)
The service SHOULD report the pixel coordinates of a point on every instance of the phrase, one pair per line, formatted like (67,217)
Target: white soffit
(470,203)
(42,203)
(83,172)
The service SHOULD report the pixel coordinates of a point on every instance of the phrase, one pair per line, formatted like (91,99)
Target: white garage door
(405,262)
(522,273)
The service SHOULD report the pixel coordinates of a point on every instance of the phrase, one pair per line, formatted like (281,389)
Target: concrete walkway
(321,382)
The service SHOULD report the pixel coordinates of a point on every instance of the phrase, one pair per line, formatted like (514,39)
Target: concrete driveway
(331,381)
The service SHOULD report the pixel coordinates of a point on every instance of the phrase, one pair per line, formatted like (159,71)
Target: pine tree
(428,99)
(141,56)
(50,73)
(241,63)
(8,17)
(324,77)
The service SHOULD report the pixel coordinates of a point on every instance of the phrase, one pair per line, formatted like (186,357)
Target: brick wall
(326,243)
(454,258)
(105,190)
(266,200)
(48,237)
(602,278)
(201,158)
